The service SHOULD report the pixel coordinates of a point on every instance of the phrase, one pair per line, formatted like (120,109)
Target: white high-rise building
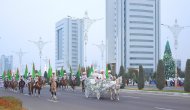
(6,63)
(69,44)
(133,34)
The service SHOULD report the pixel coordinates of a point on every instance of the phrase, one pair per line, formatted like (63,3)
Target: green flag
(62,72)
(49,70)
(17,75)
(91,70)
(4,74)
(39,73)
(107,76)
(26,72)
(33,71)
(9,75)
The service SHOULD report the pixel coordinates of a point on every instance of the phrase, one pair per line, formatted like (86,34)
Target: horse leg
(111,94)
(39,92)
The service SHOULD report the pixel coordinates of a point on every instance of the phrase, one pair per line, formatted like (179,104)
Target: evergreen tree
(141,78)
(169,63)
(122,73)
(187,77)
(160,76)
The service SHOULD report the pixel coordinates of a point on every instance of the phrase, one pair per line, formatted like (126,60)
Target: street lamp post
(87,24)
(20,55)
(40,44)
(101,47)
(175,29)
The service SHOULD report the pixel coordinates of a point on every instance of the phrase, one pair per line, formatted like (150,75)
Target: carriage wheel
(98,95)
(86,93)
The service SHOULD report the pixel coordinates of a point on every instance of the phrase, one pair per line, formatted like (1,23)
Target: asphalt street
(69,100)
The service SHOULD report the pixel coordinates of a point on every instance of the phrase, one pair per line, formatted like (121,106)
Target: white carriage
(100,88)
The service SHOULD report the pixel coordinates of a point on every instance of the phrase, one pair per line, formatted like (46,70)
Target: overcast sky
(23,20)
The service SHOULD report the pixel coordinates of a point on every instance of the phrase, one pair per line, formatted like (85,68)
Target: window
(141,10)
(140,34)
(141,16)
(141,4)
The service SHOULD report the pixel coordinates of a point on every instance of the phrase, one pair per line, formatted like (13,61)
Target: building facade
(133,34)
(69,44)
(6,63)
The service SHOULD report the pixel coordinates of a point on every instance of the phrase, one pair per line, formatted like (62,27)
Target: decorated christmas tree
(169,63)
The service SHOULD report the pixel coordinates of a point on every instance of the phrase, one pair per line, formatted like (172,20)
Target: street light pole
(87,22)
(175,29)
(101,47)
(40,44)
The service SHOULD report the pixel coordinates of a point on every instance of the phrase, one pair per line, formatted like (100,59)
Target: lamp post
(20,54)
(40,44)
(87,24)
(175,30)
(101,47)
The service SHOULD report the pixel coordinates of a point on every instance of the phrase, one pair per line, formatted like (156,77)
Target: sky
(23,20)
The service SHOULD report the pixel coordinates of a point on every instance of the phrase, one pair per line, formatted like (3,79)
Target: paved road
(68,100)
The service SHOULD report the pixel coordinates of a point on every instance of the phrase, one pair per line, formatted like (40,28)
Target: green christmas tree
(169,63)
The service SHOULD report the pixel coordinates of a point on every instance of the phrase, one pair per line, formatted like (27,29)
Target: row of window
(141,28)
(141,22)
(140,34)
(140,52)
(141,4)
(140,58)
(141,46)
(141,16)
(140,40)
(141,10)
(143,64)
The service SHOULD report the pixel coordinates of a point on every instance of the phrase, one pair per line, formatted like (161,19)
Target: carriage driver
(109,75)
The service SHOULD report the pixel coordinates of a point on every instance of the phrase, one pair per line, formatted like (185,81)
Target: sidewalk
(154,91)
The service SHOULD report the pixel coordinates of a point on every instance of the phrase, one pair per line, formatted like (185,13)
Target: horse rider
(21,84)
(36,79)
(53,85)
(65,76)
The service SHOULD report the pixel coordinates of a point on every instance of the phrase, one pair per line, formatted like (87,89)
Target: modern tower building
(133,34)
(6,63)
(69,44)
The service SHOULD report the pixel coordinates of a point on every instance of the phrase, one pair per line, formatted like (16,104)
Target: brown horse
(37,86)
(73,83)
(64,82)
(14,85)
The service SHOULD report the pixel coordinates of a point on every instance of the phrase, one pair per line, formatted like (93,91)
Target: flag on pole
(61,72)
(107,76)
(78,72)
(39,73)
(33,71)
(17,75)
(26,72)
(9,75)
(71,71)
(49,70)
(91,70)
(4,75)
(78,76)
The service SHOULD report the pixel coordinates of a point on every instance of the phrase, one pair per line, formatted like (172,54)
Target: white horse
(114,90)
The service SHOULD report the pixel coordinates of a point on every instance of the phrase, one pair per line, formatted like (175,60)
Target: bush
(122,73)
(187,77)
(10,103)
(160,77)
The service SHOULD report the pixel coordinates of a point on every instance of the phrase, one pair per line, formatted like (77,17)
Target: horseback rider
(102,75)
(53,86)
(36,79)
(21,84)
